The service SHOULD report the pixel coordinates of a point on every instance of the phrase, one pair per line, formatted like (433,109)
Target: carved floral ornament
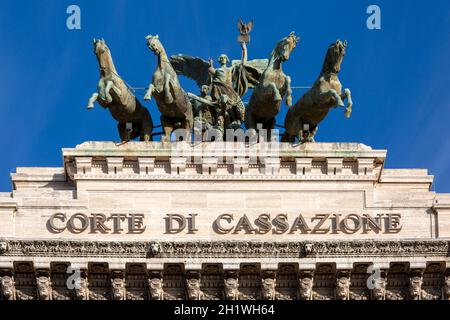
(165,249)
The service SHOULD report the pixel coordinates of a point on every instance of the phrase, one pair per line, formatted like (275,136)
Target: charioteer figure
(227,83)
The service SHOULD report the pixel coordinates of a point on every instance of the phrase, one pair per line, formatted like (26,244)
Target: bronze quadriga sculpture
(303,118)
(112,93)
(172,101)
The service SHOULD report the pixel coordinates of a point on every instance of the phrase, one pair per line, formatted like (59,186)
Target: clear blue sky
(399,75)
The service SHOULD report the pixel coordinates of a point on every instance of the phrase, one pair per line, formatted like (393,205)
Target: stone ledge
(159,149)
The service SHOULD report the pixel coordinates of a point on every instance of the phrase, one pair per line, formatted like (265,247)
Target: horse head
(285,46)
(334,57)
(154,44)
(100,46)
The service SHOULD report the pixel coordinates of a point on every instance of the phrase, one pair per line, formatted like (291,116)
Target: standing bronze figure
(326,93)
(222,82)
(112,93)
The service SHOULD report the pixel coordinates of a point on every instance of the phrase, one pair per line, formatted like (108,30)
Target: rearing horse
(113,94)
(326,93)
(172,101)
(266,98)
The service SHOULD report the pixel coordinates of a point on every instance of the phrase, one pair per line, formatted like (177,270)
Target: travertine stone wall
(171,208)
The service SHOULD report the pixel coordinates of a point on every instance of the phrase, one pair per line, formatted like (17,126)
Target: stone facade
(147,220)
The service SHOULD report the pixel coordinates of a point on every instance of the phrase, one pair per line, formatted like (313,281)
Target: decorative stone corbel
(271,166)
(303,166)
(305,284)
(114,164)
(3,246)
(146,165)
(231,285)
(44,284)
(334,166)
(240,166)
(342,285)
(446,285)
(155,285)
(193,282)
(268,284)
(7,286)
(378,282)
(209,165)
(177,165)
(365,166)
(118,291)
(81,290)
(83,165)
(415,284)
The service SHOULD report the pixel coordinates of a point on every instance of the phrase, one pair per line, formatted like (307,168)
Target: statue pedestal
(217,206)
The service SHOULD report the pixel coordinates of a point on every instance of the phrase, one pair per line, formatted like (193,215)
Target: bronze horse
(266,98)
(172,101)
(113,94)
(326,93)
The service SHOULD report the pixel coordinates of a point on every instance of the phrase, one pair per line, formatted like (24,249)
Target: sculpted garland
(220,105)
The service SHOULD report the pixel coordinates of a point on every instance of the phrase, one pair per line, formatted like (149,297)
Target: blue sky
(399,75)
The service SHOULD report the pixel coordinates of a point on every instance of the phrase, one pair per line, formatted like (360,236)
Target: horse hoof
(347,113)
(289,102)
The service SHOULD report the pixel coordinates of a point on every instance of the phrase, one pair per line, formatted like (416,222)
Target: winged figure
(244,30)
(227,84)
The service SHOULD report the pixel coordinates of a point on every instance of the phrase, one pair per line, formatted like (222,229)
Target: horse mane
(106,57)
(330,61)
(274,54)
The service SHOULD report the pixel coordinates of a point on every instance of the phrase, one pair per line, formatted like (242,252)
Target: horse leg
(123,134)
(149,93)
(146,128)
(269,125)
(250,123)
(312,134)
(168,128)
(168,98)
(276,93)
(91,101)
(332,94)
(348,95)
(187,127)
(287,138)
(288,92)
(109,85)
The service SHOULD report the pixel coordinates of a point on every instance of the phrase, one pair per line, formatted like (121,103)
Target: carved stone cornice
(226,249)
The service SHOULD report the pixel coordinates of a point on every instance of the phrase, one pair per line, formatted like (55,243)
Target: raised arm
(244,52)
(211,68)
